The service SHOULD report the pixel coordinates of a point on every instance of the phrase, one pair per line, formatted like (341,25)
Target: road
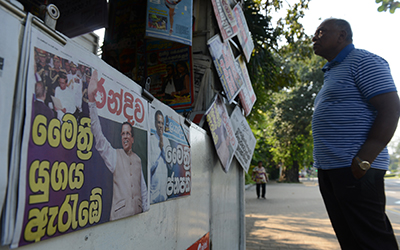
(294,217)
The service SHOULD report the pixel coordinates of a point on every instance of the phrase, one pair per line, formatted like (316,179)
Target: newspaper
(225,19)
(246,95)
(170,20)
(79,164)
(225,65)
(170,155)
(246,140)
(244,35)
(10,47)
(222,132)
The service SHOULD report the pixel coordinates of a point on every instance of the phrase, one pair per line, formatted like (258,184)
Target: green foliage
(390,5)
(394,156)
(281,116)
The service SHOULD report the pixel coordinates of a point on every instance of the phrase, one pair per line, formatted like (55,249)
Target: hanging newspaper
(226,68)
(244,35)
(246,95)
(10,48)
(84,146)
(222,132)
(169,66)
(170,20)
(225,19)
(245,137)
(169,159)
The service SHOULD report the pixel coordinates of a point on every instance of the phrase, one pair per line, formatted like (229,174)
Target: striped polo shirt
(343,116)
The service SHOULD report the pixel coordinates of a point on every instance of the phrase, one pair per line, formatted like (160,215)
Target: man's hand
(92,88)
(356,170)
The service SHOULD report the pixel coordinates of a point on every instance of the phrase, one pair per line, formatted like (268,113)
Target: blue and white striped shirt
(343,116)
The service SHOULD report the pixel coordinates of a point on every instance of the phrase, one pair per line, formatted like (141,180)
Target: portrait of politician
(129,186)
(159,165)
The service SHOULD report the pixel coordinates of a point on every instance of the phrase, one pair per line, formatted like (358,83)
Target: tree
(390,5)
(292,114)
(394,156)
(271,73)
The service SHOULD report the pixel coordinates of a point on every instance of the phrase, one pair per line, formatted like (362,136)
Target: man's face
(160,125)
(57,64)
(63,83)
(126,138)
(73,70)
(42,59)
(325,39)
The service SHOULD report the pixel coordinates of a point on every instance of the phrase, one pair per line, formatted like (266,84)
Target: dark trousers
(262,185)
(356,208)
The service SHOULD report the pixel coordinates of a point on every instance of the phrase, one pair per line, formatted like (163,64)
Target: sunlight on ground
(290,231)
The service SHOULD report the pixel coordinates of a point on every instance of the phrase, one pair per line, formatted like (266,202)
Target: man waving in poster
(129,186)
(159,164)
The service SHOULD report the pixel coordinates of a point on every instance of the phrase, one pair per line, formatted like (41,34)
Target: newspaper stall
(96,160)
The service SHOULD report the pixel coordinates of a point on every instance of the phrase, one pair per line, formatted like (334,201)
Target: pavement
(292,216)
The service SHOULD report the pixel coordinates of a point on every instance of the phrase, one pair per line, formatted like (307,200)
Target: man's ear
(342,36)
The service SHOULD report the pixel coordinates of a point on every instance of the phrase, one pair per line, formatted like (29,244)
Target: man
(40,108)
(158,171)
(129,186)
(53,76)
(75,83)
(356,114)
(65,95)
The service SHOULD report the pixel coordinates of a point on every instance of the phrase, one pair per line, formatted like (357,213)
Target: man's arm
(382,130)
(107,152)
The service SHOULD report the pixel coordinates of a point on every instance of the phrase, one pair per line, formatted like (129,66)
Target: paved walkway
(292,217)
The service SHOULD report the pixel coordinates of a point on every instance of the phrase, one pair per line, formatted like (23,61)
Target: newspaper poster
(222,132)
(225,18)
(84,145)
(245,137)
(244,35)
(169,66)
(170,20)
(170,156)
(202,244)
(225,65)
(246,95)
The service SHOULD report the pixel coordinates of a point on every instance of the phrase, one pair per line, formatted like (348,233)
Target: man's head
(159,122)
(66,65)
(40,91)
(57,62)
(127,137)
(42,56)
(62,80)
(73,68)
(260,163)
(331,36)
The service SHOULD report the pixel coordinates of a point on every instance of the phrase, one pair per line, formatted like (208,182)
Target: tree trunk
(290,174)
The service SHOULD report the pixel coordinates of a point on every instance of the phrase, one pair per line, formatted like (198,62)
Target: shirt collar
(339,58)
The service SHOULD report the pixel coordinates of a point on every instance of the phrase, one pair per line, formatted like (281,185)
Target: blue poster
(170,20)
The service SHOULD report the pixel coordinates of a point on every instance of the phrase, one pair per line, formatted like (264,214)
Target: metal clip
(51,16)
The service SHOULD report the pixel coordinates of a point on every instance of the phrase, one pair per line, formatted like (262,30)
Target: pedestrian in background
(355,116)
(260,176)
